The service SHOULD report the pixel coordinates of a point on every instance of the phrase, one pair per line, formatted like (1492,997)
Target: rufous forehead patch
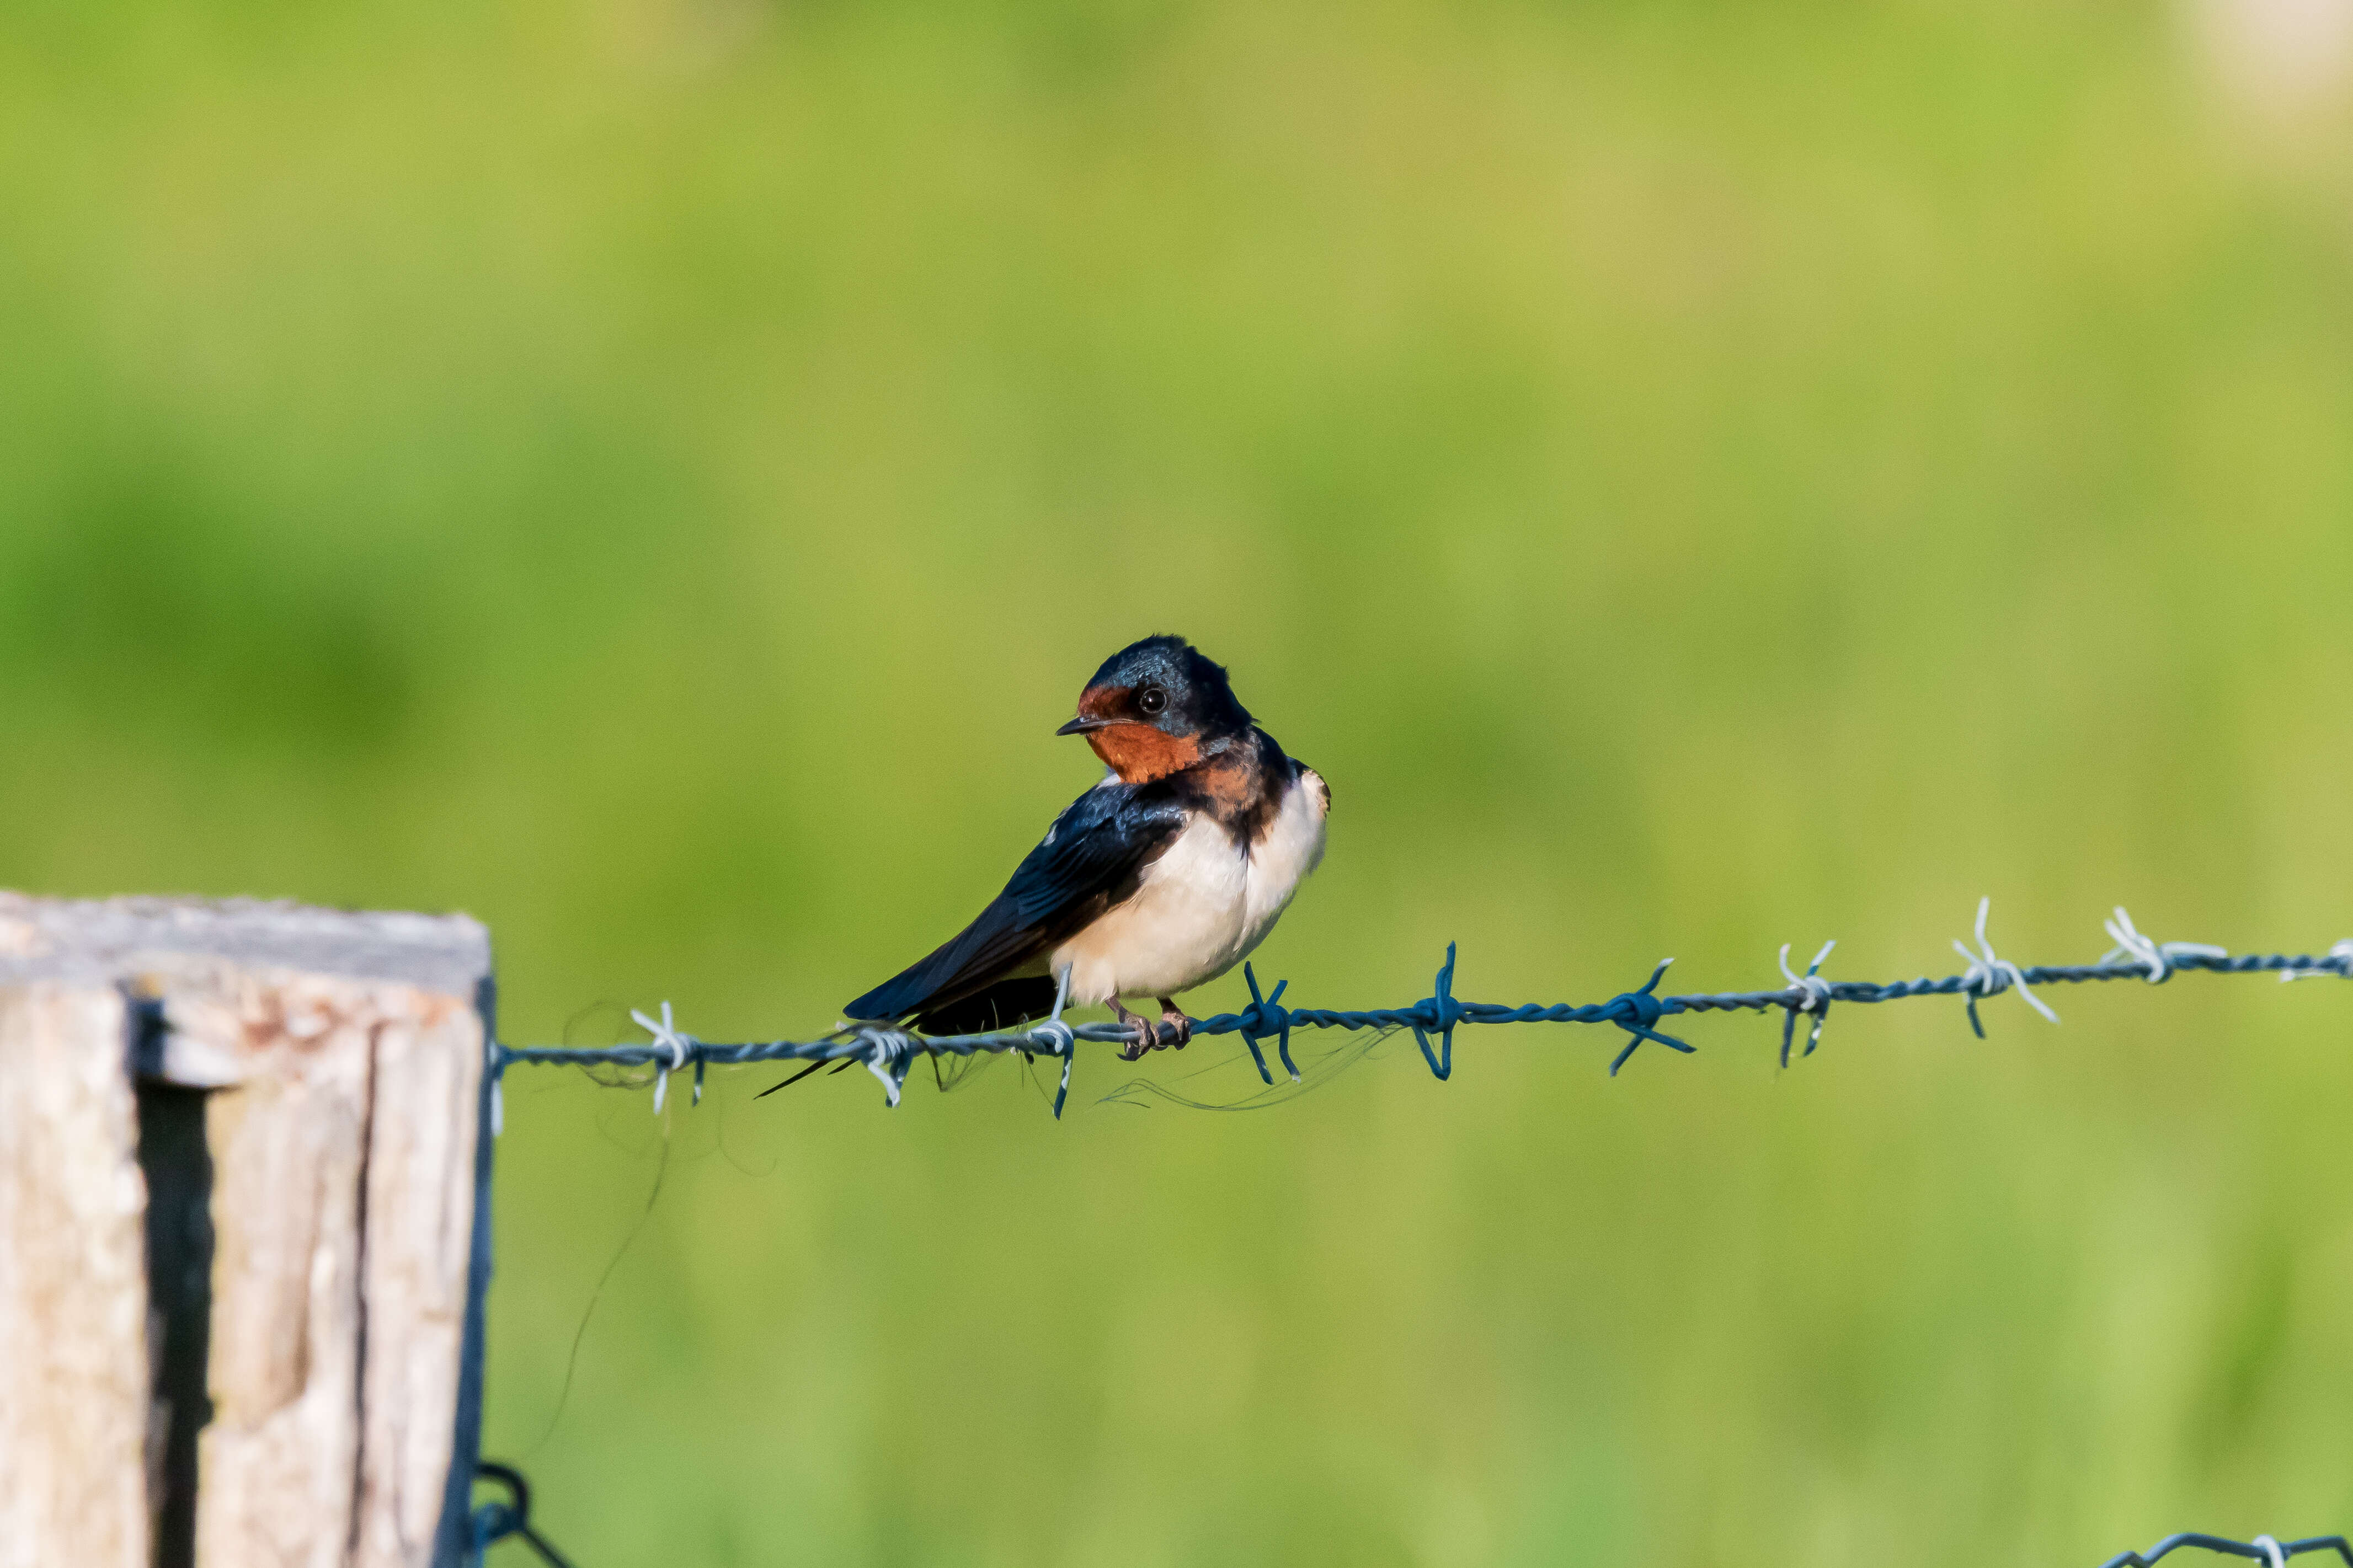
(1103,702)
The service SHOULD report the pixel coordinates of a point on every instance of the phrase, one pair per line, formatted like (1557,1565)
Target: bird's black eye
(1152,699)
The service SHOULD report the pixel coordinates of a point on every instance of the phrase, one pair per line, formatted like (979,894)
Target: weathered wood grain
(73,1293)
(420,1204)
(345,1055)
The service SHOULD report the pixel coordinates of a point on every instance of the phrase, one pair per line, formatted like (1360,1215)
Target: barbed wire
(510,1519)
(889,1053)
(2263,1549)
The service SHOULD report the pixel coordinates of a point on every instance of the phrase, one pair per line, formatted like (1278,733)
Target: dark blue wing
(1090,858)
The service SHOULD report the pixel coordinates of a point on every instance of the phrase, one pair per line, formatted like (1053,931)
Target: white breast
(1291,847)
(1202,907)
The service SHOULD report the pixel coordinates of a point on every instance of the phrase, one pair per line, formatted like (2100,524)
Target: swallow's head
(1156,707)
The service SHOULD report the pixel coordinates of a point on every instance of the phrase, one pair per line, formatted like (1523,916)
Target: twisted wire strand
(889,1053)
(2261,1548)
(1042,1042)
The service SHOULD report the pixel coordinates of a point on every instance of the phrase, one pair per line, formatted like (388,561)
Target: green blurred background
(1693,475)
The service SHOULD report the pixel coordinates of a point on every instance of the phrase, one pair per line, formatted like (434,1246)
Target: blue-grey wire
(2255,1551)
(1636,1012)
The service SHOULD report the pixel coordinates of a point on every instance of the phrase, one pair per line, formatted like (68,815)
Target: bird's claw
(1148,1039)
(1175,1029)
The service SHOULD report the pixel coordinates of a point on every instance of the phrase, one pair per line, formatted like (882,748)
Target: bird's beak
(1083,724)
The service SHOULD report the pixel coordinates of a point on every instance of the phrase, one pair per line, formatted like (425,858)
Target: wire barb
(2157,957)
(1639,1012)
(1267,1015)
(1987,975)
(2340,955)
(1438,1011)
(888,1054)
(667,1037)
(1067,1042)
(1813,996)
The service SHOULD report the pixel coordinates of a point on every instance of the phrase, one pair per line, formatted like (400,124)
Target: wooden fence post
(243,1240)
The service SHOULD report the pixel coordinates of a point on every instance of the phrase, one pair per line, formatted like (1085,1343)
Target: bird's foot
(1173,1025)
(1148,1039)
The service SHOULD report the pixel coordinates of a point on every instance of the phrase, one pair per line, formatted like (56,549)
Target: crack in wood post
(179,1176)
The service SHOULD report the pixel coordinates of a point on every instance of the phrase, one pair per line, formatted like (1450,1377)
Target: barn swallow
(1161,878)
